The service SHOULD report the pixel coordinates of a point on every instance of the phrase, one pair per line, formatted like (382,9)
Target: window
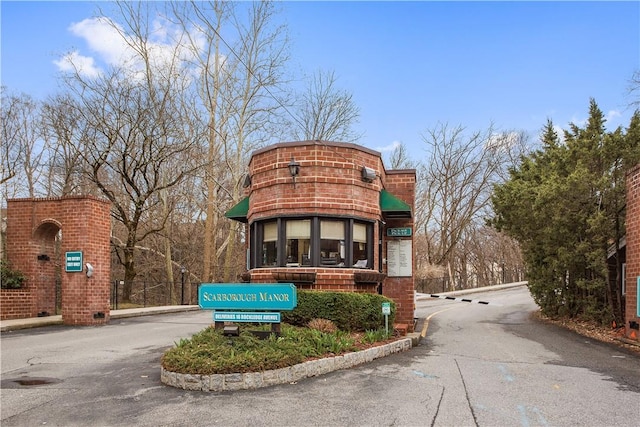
(270,244)
(332,243)
(298,247)
(360,247)
(312,242)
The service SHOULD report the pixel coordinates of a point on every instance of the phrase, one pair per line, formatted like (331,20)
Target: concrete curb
(36,322)
(291,374)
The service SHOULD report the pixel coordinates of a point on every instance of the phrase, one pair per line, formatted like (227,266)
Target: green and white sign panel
(399,232)
(243,296)
(245,316)
(386,308)
(73,262)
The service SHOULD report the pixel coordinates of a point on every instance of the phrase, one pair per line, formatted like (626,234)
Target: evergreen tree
(564,204)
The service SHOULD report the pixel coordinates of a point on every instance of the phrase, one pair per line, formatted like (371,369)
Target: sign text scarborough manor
(225,296)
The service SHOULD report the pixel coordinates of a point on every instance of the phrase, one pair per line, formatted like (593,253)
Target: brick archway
(40,235)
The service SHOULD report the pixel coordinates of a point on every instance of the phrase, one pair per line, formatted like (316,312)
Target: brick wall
(32,225)
(633,251)
(16,304)
(329,180)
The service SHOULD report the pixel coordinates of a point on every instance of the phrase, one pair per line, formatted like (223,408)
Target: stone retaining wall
(254,380)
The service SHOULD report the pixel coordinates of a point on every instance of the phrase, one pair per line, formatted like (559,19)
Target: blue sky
(410,65)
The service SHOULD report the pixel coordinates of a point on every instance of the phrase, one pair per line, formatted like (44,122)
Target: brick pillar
(86,300)
(32,226)
(401,183)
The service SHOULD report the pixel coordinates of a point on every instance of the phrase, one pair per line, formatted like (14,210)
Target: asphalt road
(480,364)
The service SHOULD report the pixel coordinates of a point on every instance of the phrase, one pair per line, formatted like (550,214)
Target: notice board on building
(399,258)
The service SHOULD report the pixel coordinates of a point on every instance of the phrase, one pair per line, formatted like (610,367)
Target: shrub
(348,311)
(9,278)
(323,325)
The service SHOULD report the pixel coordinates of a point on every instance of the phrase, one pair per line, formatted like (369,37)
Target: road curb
(291,374)
(37,322)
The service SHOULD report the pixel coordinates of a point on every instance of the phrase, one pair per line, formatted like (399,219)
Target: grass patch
(210,352)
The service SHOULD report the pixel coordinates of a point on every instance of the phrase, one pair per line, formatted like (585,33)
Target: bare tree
(206,20)
(326,113)
(253,103)
(240,58)
(11,146)
(62,131)
(400,158)
(22,146)
(458,176)
(138,141)
(634,90)
(11,141)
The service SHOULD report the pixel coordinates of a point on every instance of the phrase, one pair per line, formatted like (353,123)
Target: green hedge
(349,311)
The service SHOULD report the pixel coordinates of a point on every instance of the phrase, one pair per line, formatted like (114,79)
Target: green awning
(239,212)
(392,207)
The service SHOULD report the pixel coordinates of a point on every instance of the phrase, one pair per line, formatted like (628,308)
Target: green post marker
(386,310)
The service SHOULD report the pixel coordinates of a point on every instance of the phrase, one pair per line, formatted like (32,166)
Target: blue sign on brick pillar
(73,262)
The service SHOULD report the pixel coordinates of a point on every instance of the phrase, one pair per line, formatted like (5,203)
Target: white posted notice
(399,258)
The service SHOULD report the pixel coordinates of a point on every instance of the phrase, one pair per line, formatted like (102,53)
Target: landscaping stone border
(254,380)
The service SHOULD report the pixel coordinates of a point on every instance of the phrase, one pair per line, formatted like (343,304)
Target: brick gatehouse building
(632,279)
(329,216)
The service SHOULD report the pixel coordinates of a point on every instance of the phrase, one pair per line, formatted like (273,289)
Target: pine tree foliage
(565,204)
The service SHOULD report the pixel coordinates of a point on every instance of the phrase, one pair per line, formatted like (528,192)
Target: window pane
(359,233)
(299,229)
(269,254)
(271,232)
(333,230)
(360,246)
(298,234)
(332,249)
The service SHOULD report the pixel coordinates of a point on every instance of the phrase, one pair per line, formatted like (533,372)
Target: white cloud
(612,114)
(103,39)
(390,147)
(74,62)
(108,46)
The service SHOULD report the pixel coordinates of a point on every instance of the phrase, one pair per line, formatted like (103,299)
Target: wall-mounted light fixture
(89,268)
(294,170)
(368,174)
(247,181)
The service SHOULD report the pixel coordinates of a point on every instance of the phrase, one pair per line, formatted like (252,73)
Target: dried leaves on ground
(612,334)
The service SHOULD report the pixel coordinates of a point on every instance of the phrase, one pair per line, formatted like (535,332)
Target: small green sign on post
(386,310)
(73,262)
(399,232)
